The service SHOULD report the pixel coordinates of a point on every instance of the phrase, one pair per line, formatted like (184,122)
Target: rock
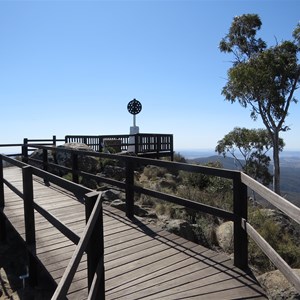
(111,195)
(277,286)
(181,228)
(201,235)
(38,154)
(119,204)
(89,183)
(86,163)
(115,172)
(224,235)
(166,184)
(138,211)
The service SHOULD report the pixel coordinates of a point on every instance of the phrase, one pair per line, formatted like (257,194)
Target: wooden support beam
(29,222)
(240,206)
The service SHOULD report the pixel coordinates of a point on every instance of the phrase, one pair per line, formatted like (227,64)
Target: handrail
(277,260)
(142,144)
(92,217)
(240,181)
(282,204)
(66,280)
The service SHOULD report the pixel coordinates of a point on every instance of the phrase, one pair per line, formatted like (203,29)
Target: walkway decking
(141,262)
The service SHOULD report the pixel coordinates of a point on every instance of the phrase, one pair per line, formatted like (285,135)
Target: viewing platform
(93,251)
(142,144)
(141,262)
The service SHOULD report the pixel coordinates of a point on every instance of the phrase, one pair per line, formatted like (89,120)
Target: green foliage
(179,158)
(153,172)
(171,210)
(275,234)
(252,145)
(145,200)
(265,79)
(195,180)
(69,176)
(107,162)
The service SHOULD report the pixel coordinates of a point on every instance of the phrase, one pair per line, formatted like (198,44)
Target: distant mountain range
(290,173)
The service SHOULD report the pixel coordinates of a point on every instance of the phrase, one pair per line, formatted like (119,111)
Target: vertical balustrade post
(45,163)
(171,147)
(129,188)
(2,204)
(25,151)
(54,140)
(95,247)
(158,149)
(29,222)
(137,142)
(75,176)
(45,159)
(240,208)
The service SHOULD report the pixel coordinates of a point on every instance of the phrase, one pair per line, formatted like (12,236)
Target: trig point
(134,107)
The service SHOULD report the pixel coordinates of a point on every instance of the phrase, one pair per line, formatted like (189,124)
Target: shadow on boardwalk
(13,263)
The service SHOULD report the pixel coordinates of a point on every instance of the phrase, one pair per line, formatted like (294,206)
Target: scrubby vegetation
(282,234)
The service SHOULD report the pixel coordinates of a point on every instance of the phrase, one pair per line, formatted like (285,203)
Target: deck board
(141,262)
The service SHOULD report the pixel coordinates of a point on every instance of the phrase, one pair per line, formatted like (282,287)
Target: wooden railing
(142,144)
(241,182)
(90,242)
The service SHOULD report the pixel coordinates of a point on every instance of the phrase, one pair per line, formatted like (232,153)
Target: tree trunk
(276,165)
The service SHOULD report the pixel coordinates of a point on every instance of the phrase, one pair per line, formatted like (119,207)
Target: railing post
(2,204)
(45,164)
(158,141)
(171,148)
(45,159)
(137,139)
(95,247)
(129,188)
(25,151)
(100,144)
(29,222)
(54,140)
(74,157)
(240,210)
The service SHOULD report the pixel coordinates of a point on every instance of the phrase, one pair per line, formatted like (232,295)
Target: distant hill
(290,173)
(227,162)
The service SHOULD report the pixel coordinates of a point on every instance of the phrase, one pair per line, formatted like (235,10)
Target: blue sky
(71,67)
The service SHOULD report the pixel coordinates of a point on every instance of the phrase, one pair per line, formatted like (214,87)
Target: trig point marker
(134,107)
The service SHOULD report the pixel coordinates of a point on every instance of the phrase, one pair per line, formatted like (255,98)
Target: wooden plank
(283,267)
(141,261)
(285,206)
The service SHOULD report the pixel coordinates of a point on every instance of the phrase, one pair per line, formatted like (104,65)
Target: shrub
(145,200)
(153,172)
(179,158)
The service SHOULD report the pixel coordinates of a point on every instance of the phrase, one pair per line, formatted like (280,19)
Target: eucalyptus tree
(249,148)
(263,78)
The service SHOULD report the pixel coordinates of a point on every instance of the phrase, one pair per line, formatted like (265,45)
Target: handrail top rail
(11,145)
(119,135)
(230,174)
(278,201)
(240,179)
(68,185)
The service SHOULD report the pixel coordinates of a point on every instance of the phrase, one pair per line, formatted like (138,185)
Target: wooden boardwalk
(141,262)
